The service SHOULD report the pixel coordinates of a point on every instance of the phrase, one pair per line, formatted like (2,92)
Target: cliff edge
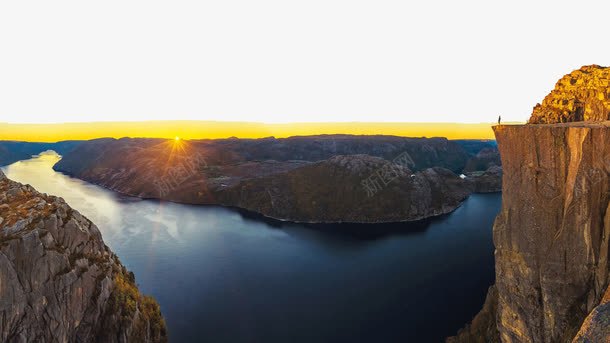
(552,233)
(59,282)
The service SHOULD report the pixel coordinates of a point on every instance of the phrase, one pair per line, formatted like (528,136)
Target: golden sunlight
(211,130)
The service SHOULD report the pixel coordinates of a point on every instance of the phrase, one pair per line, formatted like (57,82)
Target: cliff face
(552,233)
(551,237)
(583,95)
(59,282)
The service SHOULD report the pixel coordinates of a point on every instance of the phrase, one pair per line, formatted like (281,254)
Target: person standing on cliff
(499,119)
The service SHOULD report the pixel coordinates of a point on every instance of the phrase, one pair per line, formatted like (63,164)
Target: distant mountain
(473,146)
(13,151)
(408,178)
(484,154)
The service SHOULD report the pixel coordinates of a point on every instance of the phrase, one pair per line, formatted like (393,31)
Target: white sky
(281,61)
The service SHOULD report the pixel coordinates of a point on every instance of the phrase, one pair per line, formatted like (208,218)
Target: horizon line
(257,122)
(205,129)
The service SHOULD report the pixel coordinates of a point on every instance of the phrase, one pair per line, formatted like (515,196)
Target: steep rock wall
(59,282)
(550,236)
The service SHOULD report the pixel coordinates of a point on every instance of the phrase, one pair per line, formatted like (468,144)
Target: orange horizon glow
(187,130)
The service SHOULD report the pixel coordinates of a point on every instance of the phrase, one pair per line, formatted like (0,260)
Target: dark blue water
(224,276)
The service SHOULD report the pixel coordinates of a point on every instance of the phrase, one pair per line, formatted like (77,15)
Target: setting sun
(177,138)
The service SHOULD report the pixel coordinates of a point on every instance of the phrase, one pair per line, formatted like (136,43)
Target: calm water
(222,276)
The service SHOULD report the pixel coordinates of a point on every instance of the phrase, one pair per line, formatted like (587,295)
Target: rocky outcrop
(583,95)
(59,282)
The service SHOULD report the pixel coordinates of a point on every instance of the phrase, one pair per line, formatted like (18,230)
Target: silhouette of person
(499,119)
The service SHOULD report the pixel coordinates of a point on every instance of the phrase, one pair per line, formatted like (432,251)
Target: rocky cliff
(59,282)
(583,95)
(552,234)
